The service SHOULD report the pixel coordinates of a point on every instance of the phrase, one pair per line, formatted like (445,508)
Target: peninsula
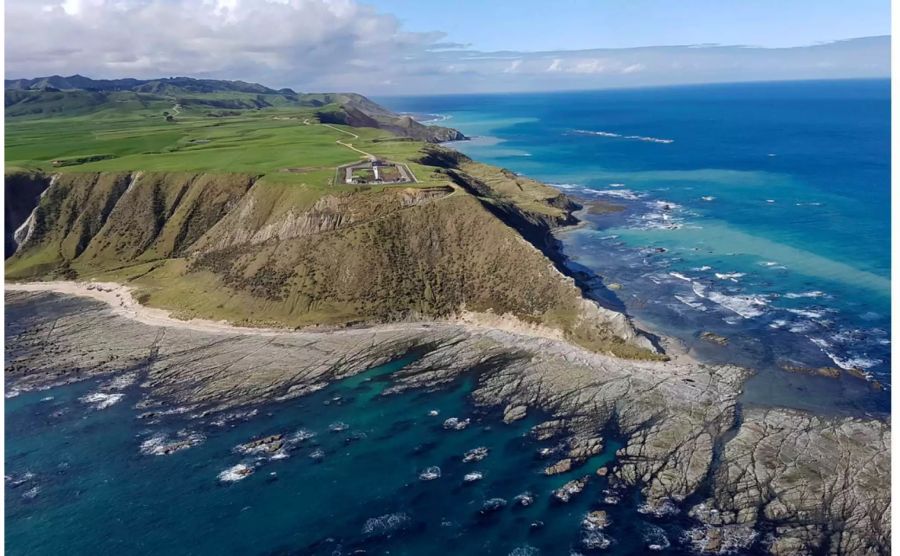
(237,244)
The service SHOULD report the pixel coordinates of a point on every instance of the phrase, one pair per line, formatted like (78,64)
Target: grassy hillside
(238,217)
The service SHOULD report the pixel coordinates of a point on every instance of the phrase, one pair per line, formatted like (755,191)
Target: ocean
(358,473)
(758,212)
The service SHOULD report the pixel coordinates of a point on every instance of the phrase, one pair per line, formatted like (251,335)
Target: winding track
(349,145)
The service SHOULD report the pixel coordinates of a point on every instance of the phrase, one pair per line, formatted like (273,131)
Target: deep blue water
(757,211)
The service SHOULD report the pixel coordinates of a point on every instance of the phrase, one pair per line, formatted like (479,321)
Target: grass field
(286,144)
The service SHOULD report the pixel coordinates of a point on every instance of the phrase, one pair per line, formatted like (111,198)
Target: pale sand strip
(122,302)
(120,299)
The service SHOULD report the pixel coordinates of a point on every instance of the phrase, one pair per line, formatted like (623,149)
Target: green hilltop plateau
(222,200)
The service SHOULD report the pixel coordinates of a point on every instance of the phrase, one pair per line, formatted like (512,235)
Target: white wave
(161,445)
(663,205)
(703,268)
(665,216)
(768,263)
(849,362)
(617,185)
(802,327)
(698,289)
(808,313)
(770,201)
(567,185)
(657,221)
(778,323)
(385,524)
(611,134)
(655,537)
(223,420)
(691,302)
(680,276)
(815,293)
(300,436)
(101,400)
(661,509)
(708,198)
(733,276)
(430,473)
(472,477)
(598,133)
(338,426)
(626,194)
(650,139)
(122,382)
(235,473)
(747,306)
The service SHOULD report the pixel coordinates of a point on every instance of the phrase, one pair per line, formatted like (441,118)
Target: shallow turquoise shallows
(760,212)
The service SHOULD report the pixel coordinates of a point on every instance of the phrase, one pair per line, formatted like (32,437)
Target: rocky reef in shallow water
(772,479)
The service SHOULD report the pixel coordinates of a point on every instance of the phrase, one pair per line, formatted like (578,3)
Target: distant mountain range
(162,86)
(77,95)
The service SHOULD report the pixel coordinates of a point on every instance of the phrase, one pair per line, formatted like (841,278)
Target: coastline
(119,299)
(684,429)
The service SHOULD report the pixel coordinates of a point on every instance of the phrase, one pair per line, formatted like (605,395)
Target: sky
(423,47)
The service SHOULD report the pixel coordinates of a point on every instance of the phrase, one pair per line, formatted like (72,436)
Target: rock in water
(475,454)
(561,466)
(236,473)
(430,473)
(570,489)
(267,445)
(514,413)
(492,505)
(456,424)
(583,448)
(595,521)
(525,499)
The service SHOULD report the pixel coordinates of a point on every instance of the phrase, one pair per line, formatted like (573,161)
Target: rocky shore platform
(764,479)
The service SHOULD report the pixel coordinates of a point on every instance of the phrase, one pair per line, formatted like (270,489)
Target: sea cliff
(462,271)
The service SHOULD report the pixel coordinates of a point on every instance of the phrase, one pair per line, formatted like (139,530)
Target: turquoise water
(78,482)
(758,211)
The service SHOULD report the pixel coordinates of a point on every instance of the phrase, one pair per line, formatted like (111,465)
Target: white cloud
(286,41)
(513,66)
(344,45)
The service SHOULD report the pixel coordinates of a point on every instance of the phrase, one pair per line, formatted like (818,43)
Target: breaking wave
(612,135)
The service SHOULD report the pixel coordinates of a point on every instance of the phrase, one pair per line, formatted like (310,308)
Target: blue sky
(453,46)
(534,25)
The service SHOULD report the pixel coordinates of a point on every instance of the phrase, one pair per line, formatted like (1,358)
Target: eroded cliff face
(259,252)
(22,190)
